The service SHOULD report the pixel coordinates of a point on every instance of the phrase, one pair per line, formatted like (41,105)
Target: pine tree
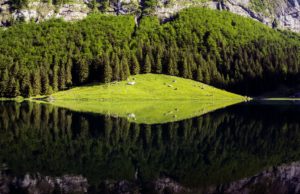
(26,89)
(44,82)
(3,81)
(158,65)
(171,66)
(107,70)
(135,66)
(206,76)
(184,70)
(147,65)
(199,75)
(115,63)
(82,69)
(13,88)
(54,80)
(36,82)
(126,71)
(69,73)
(62,78)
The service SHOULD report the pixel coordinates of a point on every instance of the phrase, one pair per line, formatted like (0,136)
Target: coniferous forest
(214,47)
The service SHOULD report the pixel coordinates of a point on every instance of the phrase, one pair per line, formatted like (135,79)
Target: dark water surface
(245,148)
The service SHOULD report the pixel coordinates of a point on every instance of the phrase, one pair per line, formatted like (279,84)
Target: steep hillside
(216,48)
(275,13)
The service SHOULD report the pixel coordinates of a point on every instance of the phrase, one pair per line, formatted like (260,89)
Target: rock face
(284,14)
(38,11)
(284,179)
(276,180)
(38,184)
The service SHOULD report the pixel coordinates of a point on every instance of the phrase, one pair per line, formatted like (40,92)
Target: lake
(251,147)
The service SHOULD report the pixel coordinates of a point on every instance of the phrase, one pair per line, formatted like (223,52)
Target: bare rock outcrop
(38,184)
(283,14)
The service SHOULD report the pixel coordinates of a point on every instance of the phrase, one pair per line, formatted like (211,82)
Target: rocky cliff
(283,179)
(284,14)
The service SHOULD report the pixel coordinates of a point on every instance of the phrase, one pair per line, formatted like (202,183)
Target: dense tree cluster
(214,47)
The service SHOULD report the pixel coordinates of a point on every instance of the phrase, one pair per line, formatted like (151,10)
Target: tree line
(214,47)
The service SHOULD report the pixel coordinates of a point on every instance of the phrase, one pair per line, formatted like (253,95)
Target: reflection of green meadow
(148,112)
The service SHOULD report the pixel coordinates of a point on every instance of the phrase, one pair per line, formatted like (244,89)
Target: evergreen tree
(62,78)
(147,65)
(135,66)
(171,66)
(13,88)
(158,65)
(185,69)
(125,66)
(82,68)
(199,75)
(44,82)
(26,88)
(69,72)
(107,71)
(55,79)
(36,82)
(3,81)
(115,63)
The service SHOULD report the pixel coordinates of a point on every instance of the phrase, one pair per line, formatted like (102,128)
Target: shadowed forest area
(216,148)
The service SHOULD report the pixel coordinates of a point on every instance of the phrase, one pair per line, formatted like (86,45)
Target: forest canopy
(214,47)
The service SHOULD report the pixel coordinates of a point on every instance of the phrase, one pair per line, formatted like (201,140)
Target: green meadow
(147,87)
(147,98)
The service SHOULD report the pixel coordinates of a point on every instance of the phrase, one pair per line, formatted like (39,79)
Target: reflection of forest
(219,147)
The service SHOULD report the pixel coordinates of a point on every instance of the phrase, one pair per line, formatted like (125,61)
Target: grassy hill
(148,87)
(154,98)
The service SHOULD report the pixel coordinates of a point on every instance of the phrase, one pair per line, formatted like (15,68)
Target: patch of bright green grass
(152,99)
(148,87)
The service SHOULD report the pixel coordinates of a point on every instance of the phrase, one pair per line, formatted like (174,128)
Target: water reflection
(105,154)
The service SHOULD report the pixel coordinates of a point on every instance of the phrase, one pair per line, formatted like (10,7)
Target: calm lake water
(245,148)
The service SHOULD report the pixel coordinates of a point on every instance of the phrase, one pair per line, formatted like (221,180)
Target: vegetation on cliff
(217,48)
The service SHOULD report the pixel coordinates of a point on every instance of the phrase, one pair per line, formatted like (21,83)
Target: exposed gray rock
(70,12)
(170,185)
(282,179)
(38,184)
(284,13)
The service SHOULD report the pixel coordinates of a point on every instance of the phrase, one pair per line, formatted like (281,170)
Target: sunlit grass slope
(148,87)
(151,99)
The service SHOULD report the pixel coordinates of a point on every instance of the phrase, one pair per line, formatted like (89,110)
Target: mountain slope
(283,14)
(216,48)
